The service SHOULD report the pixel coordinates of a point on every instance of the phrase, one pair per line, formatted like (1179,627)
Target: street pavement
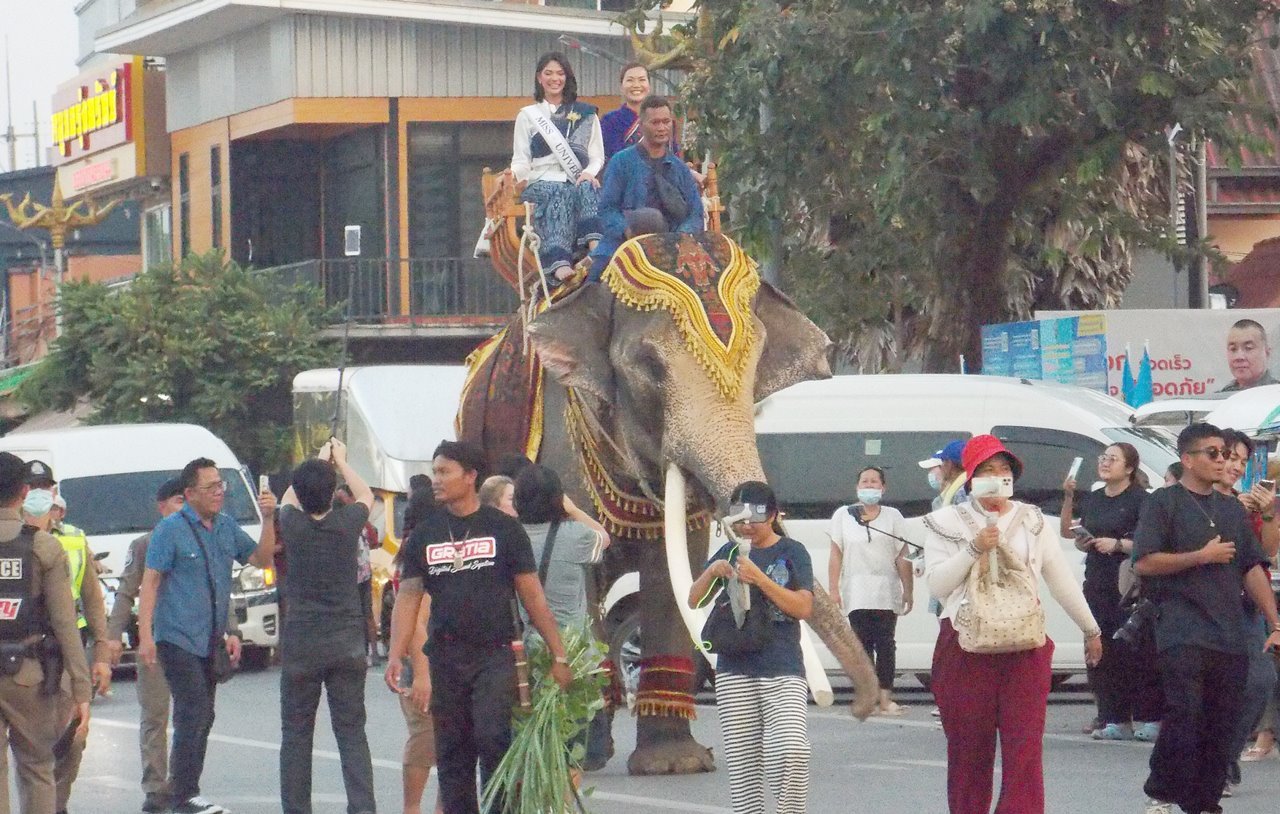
(879,767)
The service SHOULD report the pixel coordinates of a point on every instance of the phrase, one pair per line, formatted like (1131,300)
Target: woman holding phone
(1108,517)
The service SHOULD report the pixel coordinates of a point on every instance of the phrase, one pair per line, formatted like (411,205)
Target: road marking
(933,764)
(936,725)
(382,763)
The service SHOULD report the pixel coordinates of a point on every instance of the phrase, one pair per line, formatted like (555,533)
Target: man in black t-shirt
(473,561)
(322,643)
(1197,554)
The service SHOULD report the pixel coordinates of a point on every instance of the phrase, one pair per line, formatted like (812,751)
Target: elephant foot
(680,755)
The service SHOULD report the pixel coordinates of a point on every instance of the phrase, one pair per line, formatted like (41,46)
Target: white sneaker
(198,805)
(1157,807)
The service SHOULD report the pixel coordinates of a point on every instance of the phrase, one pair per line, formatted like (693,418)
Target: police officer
(37,617)
(153,690)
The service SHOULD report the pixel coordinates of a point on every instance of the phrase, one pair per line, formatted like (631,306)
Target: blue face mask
(935,481)
(870,497)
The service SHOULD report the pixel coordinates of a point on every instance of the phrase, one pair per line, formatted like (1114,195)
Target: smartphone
(1075,468)
(1081,532)
(264,484)
(1269,485)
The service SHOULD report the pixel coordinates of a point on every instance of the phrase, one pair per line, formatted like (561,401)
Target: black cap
(39,473)
(170,488)
(13,473)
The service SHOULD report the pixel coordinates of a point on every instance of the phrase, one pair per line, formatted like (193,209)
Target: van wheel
(624,651)
(255,659)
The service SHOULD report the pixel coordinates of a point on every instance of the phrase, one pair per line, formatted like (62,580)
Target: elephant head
(678,356)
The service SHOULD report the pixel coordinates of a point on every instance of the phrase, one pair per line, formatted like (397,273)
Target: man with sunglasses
(1197,552)
(183,604)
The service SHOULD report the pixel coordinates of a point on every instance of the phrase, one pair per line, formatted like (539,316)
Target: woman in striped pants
(762,697)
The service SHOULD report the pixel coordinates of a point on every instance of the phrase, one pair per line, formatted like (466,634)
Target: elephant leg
(664,744)
(832,627)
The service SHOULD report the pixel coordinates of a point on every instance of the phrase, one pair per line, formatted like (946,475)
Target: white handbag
(1001,611)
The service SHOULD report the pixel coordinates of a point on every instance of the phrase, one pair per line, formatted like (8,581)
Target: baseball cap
(932,461)
(39,473)
(951,452)
(170,488)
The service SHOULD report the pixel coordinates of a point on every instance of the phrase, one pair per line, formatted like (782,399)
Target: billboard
(1070,350)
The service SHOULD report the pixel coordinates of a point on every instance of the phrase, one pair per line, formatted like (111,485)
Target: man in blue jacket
(647,175)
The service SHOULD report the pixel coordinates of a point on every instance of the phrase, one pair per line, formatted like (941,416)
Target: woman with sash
(559,153)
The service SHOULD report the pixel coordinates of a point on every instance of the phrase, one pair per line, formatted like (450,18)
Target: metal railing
(436,291)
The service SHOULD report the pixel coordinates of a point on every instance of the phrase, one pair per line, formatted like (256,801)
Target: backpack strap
(547,547)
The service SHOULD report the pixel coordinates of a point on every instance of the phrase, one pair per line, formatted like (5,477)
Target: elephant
(656,371)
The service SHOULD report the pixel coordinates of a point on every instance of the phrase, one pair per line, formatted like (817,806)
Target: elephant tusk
(675,524)
(814,672)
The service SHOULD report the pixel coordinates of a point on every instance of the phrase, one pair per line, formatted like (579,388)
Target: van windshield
(125,502)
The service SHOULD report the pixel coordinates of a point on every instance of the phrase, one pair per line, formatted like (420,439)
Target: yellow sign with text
(100,106)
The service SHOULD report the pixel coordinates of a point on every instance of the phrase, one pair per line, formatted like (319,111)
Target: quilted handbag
(1001,611)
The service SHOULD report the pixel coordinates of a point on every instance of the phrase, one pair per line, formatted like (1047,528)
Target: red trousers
(980,698)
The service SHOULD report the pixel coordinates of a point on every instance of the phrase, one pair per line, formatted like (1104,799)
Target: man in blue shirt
(186,591)
(647,175)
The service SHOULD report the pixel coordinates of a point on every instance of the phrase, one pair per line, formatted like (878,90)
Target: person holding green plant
(762,696)
(473,561)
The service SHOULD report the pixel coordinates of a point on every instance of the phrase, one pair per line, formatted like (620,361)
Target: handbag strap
(993,556)
(208,575)
(545,564)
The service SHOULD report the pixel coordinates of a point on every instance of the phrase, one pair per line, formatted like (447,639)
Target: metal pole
(1202,221)
(35,133)
(10,136)
(1174,206)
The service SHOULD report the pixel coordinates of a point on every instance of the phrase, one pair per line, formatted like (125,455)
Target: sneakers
(1114,732)
(1157,807)
(1147,732)
(199,805)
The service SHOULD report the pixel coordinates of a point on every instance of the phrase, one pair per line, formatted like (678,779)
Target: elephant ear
(795,350)
(572,338)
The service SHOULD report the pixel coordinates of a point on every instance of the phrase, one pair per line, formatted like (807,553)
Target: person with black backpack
(761,693)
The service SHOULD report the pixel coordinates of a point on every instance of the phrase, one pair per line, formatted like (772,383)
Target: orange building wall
(196,143)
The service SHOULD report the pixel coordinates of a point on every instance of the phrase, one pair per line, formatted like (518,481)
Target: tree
(205,342)
(941,164)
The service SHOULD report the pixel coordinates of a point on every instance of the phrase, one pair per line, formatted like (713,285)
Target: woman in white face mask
(869,576)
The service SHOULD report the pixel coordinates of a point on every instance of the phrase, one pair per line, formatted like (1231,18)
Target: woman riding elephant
(558,152)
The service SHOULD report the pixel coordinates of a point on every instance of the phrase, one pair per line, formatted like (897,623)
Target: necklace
(457,552)
(1207,516)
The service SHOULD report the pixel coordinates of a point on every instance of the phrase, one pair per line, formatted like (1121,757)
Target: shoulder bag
(1001,611)
(220,667)
(723,636)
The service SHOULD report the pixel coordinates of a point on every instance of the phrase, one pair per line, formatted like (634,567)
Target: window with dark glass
(215,195)
(184,205)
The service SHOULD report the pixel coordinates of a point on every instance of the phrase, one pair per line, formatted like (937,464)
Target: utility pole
(9,135)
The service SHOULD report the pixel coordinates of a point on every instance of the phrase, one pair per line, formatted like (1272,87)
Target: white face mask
(870,497)
(935,481)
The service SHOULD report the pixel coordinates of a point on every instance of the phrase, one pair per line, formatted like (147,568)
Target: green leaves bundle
(534,775)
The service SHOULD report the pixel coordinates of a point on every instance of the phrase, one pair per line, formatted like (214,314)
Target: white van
(109,475)
(815,436)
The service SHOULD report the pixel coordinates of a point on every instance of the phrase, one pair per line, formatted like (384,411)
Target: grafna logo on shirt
(465,555)
(9,609)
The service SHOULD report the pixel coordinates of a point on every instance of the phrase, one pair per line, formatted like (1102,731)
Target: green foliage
(937,164)
(206,342)
(534,774)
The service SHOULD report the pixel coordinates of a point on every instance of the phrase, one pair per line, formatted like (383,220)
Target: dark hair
(539,495)
(1192,433)
(645,221)
(512,464)
(652,101)
(469,456)
(1176,469)
(864,470)
(419,482)
(191,472)
(420,505)
(754,491)
(169,489)
(314,482)
(570,92)
(1232,437)
(13,477)
(1245,324)
(630,66)
(1130,455)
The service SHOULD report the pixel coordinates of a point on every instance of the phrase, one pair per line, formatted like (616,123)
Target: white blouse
(947,560)
(547,168)
(869,578)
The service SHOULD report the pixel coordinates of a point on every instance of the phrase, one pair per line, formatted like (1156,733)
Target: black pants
(1203,691)
(343,681)
(192,687)
(1126,682)
(472,694)
(875,629)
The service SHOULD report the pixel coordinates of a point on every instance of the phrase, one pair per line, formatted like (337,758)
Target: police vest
(77,547)
(21,614)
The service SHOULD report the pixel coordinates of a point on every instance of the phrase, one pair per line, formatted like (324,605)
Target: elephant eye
(650,363)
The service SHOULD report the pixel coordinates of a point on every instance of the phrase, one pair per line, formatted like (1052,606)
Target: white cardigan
(547,168)
(947,559)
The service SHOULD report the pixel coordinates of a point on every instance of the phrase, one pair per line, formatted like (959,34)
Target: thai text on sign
(100,107)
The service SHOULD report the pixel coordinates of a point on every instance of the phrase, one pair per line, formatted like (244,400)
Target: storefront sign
(1070,350)
(93,114)
(99,172)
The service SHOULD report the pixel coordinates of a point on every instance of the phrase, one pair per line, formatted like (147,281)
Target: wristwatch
(562,660)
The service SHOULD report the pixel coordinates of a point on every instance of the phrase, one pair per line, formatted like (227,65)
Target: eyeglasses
(1108,459)
(1212,453)
(213,488)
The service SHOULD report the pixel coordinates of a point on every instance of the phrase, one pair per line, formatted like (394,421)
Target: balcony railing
(445,292)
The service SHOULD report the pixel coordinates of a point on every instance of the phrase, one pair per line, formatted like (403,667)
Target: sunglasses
(1212,453)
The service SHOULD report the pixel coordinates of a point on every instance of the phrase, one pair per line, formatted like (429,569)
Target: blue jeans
(193,689)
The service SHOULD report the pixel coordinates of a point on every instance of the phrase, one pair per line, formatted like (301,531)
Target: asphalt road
(876,767)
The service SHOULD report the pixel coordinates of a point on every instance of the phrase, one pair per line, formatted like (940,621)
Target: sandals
(1254,753)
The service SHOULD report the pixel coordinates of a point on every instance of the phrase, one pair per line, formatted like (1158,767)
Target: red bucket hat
(982,448)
